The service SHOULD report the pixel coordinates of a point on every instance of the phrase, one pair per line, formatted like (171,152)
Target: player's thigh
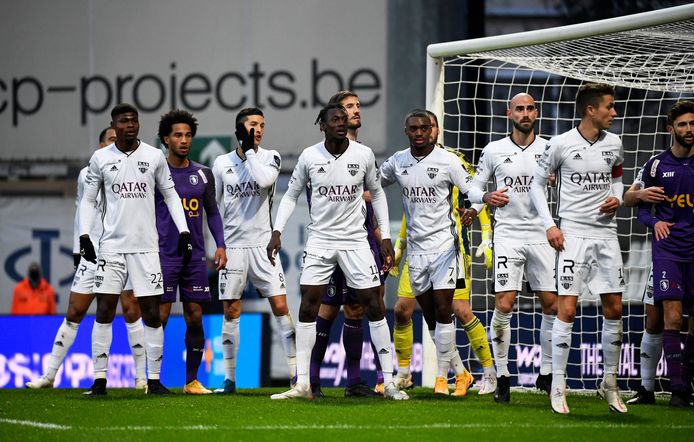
(607,270)
(359,268)
(668,280)
(447,270)
(419,274)
(172,276)
(194,285)
(266,278)
(78,305)
(334,294)
(83,281)
(404,288)
(318,266)
(509,261)
(539,267)
(233,278)
(111,273)
(572,266)
(463,293)
(144,272)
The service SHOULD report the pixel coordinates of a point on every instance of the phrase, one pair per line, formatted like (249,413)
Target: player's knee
(75,314)
(279,307)
(353,311)
(131,312)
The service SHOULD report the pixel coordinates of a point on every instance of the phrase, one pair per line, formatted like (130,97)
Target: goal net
(649,58)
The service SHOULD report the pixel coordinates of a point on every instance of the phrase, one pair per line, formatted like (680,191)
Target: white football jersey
(584,180)
(426,187)
(335,186)
(512,166)
(127,181)
(245,189)
(97,227)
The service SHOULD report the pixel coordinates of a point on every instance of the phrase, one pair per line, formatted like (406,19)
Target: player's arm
(265,174)
(612,203)
(639,193)
(547,165)
(661,229)
(76,225)
(372,179)
(87,209)
(214,219)
(165,185)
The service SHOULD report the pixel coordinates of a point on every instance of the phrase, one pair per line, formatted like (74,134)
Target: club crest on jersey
(608,157)
(432,172)
(143,166)
(538,156)
(502,278)
(353,169)
(566,281)
(664,284)
(193,179)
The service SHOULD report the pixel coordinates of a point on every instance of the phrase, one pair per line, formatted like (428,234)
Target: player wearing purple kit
(195,185)
(672,222)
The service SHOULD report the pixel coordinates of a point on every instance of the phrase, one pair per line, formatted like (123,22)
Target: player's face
(335,126)
(434,130)
(418,130)
(683,130)
(523,113)
(604,113)
(126,126)
(109,138)
(179,140)
(353,107)
(256,122)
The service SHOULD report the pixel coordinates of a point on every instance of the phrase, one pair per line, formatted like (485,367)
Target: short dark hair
(678,109)
(419,113)
(341,95)
(122,108)
(326,108)
(102,135)
(432,116)
(176,116)
(590,94)
(247,112)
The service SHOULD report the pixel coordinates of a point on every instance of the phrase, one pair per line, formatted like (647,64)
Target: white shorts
(251,263)
(358,265)
(83,281)
(648,291)
(440,271)
(594,264)
(512,259)
(116,272)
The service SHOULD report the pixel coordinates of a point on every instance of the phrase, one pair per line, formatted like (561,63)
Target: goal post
(649,58)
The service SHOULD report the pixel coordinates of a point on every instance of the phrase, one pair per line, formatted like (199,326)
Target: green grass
(250,415)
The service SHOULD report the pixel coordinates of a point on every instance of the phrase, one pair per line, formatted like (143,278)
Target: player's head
(107,136)
(595,102)
(350,101)
(522,112)
(332,120)
(176,131)
(253,118)
(418,128)
(434,126)
(125,121)
(680,123)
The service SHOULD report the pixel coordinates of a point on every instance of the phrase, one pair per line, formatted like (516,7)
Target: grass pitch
(125,414)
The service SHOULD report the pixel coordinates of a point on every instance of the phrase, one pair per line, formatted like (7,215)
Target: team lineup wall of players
(139,240)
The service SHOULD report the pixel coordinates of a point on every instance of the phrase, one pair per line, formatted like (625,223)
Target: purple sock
(352,338)
(379,370)
(318,353)
(673,358)
(195,347)
(688,359)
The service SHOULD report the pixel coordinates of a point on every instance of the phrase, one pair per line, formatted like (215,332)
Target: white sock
(154,347)
(444,342)
(651,351)
(231,338)
(136,339)
(380,336)
(64,338)
(288,340)
(305,340)
(611,346)
(456,362)
(501,340)
(546,343)
(561,346)
(102,335)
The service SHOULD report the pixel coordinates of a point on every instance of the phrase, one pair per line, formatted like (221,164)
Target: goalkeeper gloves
(76,257)
(185,247)
(400,245)
(245,138)
(87,249)
(485,248)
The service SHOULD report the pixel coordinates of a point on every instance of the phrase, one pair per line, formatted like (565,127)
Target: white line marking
(35,424)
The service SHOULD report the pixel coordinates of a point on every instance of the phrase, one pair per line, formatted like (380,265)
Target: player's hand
(220,258)
(552,180)
(76,257)
(485,248)
(400,245)
(653,194)
(185,247)
(662,229)
(498,198)
(388,254)
(274,246)
(555,238)
(87,249)
(610,206)
(245,138)
(467,216)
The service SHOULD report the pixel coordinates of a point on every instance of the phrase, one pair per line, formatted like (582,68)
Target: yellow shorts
(405,291)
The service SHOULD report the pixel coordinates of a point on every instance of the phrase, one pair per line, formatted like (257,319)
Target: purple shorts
(337,293)
(673,280)
(191,279)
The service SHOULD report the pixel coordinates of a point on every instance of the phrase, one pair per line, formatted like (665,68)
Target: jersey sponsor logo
(193,179)
(244,189)
(113,168)
(508,160)
(130,189)
(417,194)
(670,174)
(681,200)
(519,184)
(191,206)
(592,181)
(339,192)
(353,169)
(321,170)
(230,171)
(654,168)
(404,172)
(432,172)
(608,157)
(143,166)
(578,156)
